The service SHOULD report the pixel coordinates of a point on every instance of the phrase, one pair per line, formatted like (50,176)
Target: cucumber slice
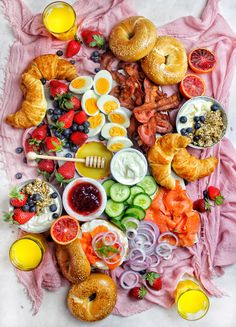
(117,223)
(118,218)
(107,186)
(128,224)
(135,212)
(114,209)
(119,192)
(133,191)
(149,185)
(142,200)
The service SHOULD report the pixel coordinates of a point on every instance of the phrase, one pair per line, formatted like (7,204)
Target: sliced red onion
(131,233)
(148,223)
(169,234)
(126,279)
(163,249)
(112,236)
(154,262)
(132,255)
(138,266)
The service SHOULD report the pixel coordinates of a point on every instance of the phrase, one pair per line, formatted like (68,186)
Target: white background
(14,305)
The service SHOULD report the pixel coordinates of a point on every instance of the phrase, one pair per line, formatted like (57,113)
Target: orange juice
(27,252)
(192,302)
(59,18)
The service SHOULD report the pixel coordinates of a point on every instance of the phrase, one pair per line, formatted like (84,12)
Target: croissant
(161,155)
(191,168)
(34,105)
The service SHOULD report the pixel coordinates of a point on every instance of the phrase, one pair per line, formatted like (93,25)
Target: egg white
(89,95)
(124,115)
(106,75)
(107,127)
(88,85)
(96,130)
(127,143)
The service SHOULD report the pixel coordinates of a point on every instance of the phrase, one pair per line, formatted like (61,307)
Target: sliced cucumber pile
(125,202)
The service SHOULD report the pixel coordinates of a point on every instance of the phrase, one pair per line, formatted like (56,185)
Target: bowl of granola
(203,120)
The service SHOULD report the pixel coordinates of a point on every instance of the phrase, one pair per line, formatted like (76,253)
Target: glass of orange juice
(192,302)
(27,252)
(59,18)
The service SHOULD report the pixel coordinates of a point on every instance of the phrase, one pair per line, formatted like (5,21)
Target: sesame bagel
(92,299)
(133,38)
(167,62)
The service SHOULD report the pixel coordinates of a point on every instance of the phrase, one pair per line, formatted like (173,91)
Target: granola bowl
(47,208)
(204,120)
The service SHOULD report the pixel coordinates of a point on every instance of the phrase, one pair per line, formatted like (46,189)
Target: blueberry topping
(55,104)
(26,207)
(72,62)
(54,195)
(96,70)
(32,209)
(95,54)
(196,138)
(53,208)
(19,150)
(183,132)
(59,53)
(68,155)
(55,216)
(50,111)
(74,127)
(81,128)
(43,81)
(101,138)
(86,130)
(196,119)
(197,125)
(189,130)
(86,124)
(18,175)
(183,119)
(215,107)
(202,119)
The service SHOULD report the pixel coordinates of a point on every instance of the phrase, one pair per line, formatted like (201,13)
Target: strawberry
(66,120)
(80,117)
(46,168)
(201,205)
(17,199)
(29,147)
(68,101)
(153,280)
(215,195)
(18,216)
(93,39)
(66,172)
(73,47)
(53,144)
(138,292)
(39,134)
(57,87)
(78,138)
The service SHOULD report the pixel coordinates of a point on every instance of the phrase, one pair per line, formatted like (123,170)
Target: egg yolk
(95,121)
(78,83)
(102,86)
(109,106)
(91,106)
(116,131)
(116,147)
(117,118)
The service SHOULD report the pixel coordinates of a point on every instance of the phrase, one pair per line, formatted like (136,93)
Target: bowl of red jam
(84,199)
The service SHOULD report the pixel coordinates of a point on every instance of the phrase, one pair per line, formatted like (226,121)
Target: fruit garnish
(17,198)
(93,39)
(192,86)
(65,120)
(201,60)
(39,134)
(68,101)
(80,117)
(65,230)
(65,173)
(202,205)
(78,138)
(73,47)
(153,280)
(59,53)
(215,195)
(32,147)
(57,88)
(53,144)
(138,292)
(18,175)
(18,216)
(46,168)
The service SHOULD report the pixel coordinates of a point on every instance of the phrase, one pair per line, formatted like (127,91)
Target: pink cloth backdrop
(216,247)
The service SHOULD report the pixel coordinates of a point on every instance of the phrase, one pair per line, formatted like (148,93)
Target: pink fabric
(216,247)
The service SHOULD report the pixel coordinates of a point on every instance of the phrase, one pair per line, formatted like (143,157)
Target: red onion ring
(169,234)
(131,233)
(128,274)
(163,250)
(131,253)
(151,224)
(153,263)
(138,266)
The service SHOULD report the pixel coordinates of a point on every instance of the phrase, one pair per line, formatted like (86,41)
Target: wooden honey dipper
(91,161)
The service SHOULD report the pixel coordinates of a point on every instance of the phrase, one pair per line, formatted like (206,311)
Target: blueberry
(53,208)
(86,124)
(196,119)
(68,155)
(54,118)
(61,137)
(30,202)
(95,54)
(81,128)
(197,125)
(74,127)
(142,272)
(43,80)
(96,59)
(55,216)
(92,57)
(66,145)
(205,194)
(18,175)
(57,134)
(55,104)
(32,209)
(101,138)
(54,195)
(189,130)
(196,138)
(19,150)
(183,132)
(66,132)
(215,107)
(25,160)
(202,119)
(72,62)
(26,207)
(59,53)
(50,112)
(57,112)
(183,119)
(73,148)
(86,130)
(185,182)
(96,70)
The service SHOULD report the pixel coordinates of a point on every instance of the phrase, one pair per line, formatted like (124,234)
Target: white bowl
(116,173)
(73,213)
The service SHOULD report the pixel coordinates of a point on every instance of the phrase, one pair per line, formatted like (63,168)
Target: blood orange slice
(201,60)
(192,86)
(65,229)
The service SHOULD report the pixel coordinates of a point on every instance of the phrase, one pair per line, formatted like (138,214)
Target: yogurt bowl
(84,199)
(128,166)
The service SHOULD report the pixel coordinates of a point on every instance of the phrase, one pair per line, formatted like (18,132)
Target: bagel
(72,261)
(133,38)
(167,62)
(92,299)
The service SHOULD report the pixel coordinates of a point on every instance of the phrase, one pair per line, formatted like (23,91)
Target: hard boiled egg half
(112,129)
(108,103)
(96,123)
(102,82)
(119,116)
(89,103)
(117,143)
(81,84)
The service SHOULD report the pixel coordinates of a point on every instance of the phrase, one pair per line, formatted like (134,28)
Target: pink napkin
(216,247)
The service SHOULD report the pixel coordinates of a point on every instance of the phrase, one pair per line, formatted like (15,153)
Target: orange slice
(201,60)
(192,86)
(65,230)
